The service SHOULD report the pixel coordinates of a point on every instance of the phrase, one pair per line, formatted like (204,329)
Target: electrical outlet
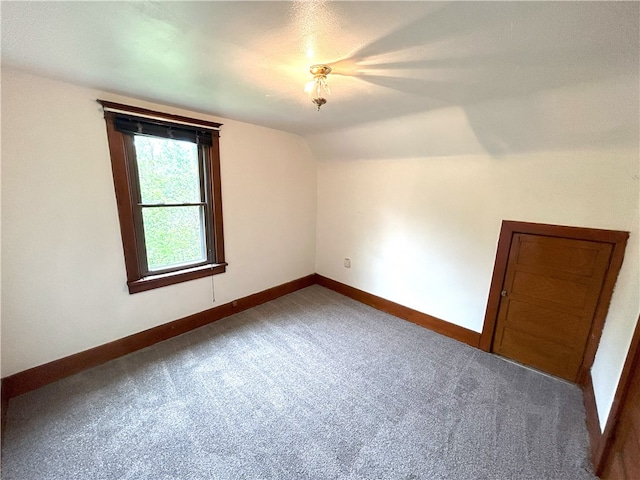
(347,262)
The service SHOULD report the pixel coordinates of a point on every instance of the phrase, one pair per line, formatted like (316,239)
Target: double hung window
(166,171)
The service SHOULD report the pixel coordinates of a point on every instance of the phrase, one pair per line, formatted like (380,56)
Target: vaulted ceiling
(249,61)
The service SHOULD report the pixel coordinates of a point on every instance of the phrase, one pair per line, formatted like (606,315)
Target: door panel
(563,258)
(552,286)
(542,286)
(543,322)
(549,356)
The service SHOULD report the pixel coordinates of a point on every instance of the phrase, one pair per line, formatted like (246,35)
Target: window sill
(162,280)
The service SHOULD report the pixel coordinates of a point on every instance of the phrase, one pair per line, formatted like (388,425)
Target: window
(166,172)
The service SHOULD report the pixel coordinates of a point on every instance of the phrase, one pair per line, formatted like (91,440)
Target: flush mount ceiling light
(318,88)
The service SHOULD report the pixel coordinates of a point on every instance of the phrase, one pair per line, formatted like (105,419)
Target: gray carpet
(310,386)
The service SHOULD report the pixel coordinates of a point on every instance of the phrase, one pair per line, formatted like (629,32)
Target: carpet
(312,385)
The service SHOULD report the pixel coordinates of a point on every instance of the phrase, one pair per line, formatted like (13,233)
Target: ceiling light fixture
(318,88)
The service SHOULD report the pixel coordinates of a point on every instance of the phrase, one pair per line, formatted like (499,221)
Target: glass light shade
(318,89)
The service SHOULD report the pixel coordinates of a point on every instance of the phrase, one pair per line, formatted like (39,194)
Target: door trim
(509,228)
(601,442)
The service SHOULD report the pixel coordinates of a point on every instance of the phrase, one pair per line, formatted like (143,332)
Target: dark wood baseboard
(432,323)
(593,422)
(41,375)
(4,406)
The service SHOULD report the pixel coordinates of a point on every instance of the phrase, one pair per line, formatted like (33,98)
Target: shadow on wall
(528,76)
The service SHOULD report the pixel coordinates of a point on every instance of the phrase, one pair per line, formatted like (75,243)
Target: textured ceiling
(249,60)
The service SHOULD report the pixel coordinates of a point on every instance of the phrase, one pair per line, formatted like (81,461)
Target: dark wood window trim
(126,198)
(617,239)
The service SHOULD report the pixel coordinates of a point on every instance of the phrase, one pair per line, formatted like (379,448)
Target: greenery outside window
(166,171)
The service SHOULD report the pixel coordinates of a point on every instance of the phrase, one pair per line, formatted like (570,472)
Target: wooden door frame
(601,442)
(618,241)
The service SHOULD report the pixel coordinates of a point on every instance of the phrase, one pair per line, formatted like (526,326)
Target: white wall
(417,202)
(63,274)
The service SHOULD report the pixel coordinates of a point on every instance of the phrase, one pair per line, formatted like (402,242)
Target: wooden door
(549,297)
(623,460)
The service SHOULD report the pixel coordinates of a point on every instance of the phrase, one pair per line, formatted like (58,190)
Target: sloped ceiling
(249,60)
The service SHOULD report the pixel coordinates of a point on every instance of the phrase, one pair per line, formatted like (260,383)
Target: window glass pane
(173,236)
(168,170)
